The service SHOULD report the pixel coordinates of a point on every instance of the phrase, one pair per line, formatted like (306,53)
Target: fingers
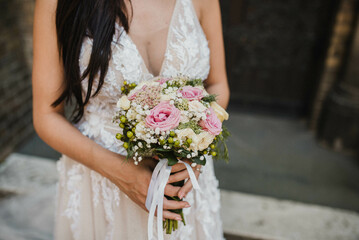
(179,176)
(178,167)
(171,191)
(187,187)
(173,204)
(171,215)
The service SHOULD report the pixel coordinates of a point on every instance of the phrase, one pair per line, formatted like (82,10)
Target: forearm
(61,135)
(222,91)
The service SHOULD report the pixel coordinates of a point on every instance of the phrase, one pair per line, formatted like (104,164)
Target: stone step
(30,182)
(257,217)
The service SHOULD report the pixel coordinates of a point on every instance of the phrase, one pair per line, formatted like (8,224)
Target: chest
(182,48)
(150,29)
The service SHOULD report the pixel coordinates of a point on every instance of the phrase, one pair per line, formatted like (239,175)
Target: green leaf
(192,125)
(221,146)
(172,160)
(209,98)
(199,161)
(195,82)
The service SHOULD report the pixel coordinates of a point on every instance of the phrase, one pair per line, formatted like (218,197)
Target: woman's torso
(185,52)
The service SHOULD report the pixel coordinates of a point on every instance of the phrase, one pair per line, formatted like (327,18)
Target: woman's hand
(134,182)
(180,173)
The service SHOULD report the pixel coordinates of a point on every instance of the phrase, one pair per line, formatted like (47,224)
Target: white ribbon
(155,194)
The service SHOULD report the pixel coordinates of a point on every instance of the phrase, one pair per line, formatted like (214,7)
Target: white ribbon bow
(155,194)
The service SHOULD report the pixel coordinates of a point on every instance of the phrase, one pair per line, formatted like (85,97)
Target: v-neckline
(167,44)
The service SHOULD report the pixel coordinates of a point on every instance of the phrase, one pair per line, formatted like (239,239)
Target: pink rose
(212,124)
(163,116)
(191,93)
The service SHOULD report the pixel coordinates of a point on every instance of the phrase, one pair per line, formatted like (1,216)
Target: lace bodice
(186,53)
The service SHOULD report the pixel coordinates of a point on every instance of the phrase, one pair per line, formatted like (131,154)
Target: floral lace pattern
(187,53)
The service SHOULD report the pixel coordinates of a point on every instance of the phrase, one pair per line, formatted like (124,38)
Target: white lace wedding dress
(89,206)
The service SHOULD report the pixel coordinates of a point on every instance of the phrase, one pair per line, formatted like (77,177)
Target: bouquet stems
(170,224)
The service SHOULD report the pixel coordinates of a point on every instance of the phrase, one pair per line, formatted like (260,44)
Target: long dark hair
(76,19)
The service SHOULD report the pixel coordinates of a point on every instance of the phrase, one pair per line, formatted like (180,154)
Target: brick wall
(16,18)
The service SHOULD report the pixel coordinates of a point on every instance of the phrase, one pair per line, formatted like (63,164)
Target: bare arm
(52,126)
(210,18)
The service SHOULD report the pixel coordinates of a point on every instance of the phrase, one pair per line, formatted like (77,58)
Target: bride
(84,51)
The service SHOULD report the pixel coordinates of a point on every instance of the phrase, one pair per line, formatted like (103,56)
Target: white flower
(219,111)
(184,118)
(193,164)
(124,103)
(138,117)
(140,129)
(167,97)
(131,115)
(196,106)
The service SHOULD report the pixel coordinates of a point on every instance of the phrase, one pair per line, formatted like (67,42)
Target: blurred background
(293,69)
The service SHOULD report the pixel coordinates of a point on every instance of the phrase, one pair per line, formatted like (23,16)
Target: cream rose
(124,103)
(196,106)
(189,133)
(204,140)
(183,134)
(219,111)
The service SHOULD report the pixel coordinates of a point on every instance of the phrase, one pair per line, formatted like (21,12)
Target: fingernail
(181,195)
(187,205)
(178,218)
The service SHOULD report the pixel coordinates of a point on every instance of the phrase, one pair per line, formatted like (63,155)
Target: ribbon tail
(191,174)
(155,194)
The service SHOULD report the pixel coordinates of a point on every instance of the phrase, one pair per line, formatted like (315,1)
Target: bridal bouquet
(172,118)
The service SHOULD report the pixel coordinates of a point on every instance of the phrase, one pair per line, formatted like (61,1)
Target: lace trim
(73,185)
